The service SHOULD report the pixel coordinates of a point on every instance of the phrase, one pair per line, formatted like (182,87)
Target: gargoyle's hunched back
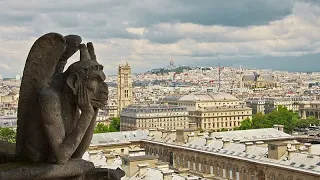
(46,58)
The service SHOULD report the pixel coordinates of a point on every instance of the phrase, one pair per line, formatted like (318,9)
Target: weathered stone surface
(34,171)
(75,169)
(57,110)
(105,174)
(6,152)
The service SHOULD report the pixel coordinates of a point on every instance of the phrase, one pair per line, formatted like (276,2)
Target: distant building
(267,105)
(214,111)
(171,66)
(124,90)
(254,81)
(18,77)
(310,108)
(257,105)
(111,108)
(274,103)
(153,116)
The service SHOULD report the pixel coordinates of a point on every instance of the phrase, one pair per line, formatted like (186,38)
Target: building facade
(310,108)
(274,103)
(214,111)
(267,105)
(124,89)
(167,117)
(220,117)
(111,108)
(257,105)
(255,81)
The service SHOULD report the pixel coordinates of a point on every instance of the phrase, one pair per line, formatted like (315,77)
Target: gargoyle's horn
(91,51)
(84,54)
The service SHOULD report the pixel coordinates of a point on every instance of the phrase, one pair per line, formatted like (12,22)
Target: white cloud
(138,31)
(5,66)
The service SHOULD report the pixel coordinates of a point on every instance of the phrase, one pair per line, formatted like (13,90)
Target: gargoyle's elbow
(62,158)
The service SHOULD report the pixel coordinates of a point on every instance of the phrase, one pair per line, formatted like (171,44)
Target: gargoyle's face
(97,89)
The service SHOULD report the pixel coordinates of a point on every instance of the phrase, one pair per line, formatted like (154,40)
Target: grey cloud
(99,13)
(102,20)
(210,12)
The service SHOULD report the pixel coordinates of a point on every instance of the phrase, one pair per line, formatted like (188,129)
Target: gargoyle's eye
(94,82)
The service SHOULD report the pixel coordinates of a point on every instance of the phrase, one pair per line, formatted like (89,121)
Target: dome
(208,97)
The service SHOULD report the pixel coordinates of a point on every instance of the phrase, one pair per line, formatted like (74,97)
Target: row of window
(208,104)
(225,113)
(220,125)
(222,119)
(154,120)
(162,125)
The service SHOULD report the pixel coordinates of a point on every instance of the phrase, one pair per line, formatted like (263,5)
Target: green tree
(313,120)
(246,124)
(101,128)
(282,116)
(223,129)
(115,124)
(8,134)
(259,121)
(302,123)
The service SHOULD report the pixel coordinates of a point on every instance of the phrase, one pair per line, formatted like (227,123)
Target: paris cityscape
(160,90)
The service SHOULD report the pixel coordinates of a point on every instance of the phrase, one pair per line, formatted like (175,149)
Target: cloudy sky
(278,34)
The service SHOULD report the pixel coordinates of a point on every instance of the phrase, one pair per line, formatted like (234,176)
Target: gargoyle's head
(89,73)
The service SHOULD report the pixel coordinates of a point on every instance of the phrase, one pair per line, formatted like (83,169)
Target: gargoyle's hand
(73,43)
(83,99)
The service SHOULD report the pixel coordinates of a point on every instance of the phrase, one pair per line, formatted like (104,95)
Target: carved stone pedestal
(75,169)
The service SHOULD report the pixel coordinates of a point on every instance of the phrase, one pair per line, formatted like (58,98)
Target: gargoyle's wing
(38,73)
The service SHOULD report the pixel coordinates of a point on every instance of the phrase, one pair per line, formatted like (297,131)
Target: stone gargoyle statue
(57,113)
(57,109)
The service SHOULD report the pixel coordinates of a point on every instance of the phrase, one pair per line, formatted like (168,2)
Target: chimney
(190,137)
(167,175)
(226,142)
(259,143)
(200,135)
(193,126)
(142,169)
(151,132)
(291,153)
(192,178)
(248,145)
(280,128)
(308,145)
(218,138)
(208,140)
(236,140)
(296,144)
(163,166)
(276,127)
(303,149)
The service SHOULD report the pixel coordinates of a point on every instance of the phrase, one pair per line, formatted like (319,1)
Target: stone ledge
(33,171)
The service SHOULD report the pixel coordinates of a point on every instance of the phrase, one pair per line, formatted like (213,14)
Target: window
(126,80)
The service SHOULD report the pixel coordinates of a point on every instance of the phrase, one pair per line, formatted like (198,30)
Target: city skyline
(260,34)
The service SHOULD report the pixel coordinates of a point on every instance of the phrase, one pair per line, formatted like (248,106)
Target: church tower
(124,89)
